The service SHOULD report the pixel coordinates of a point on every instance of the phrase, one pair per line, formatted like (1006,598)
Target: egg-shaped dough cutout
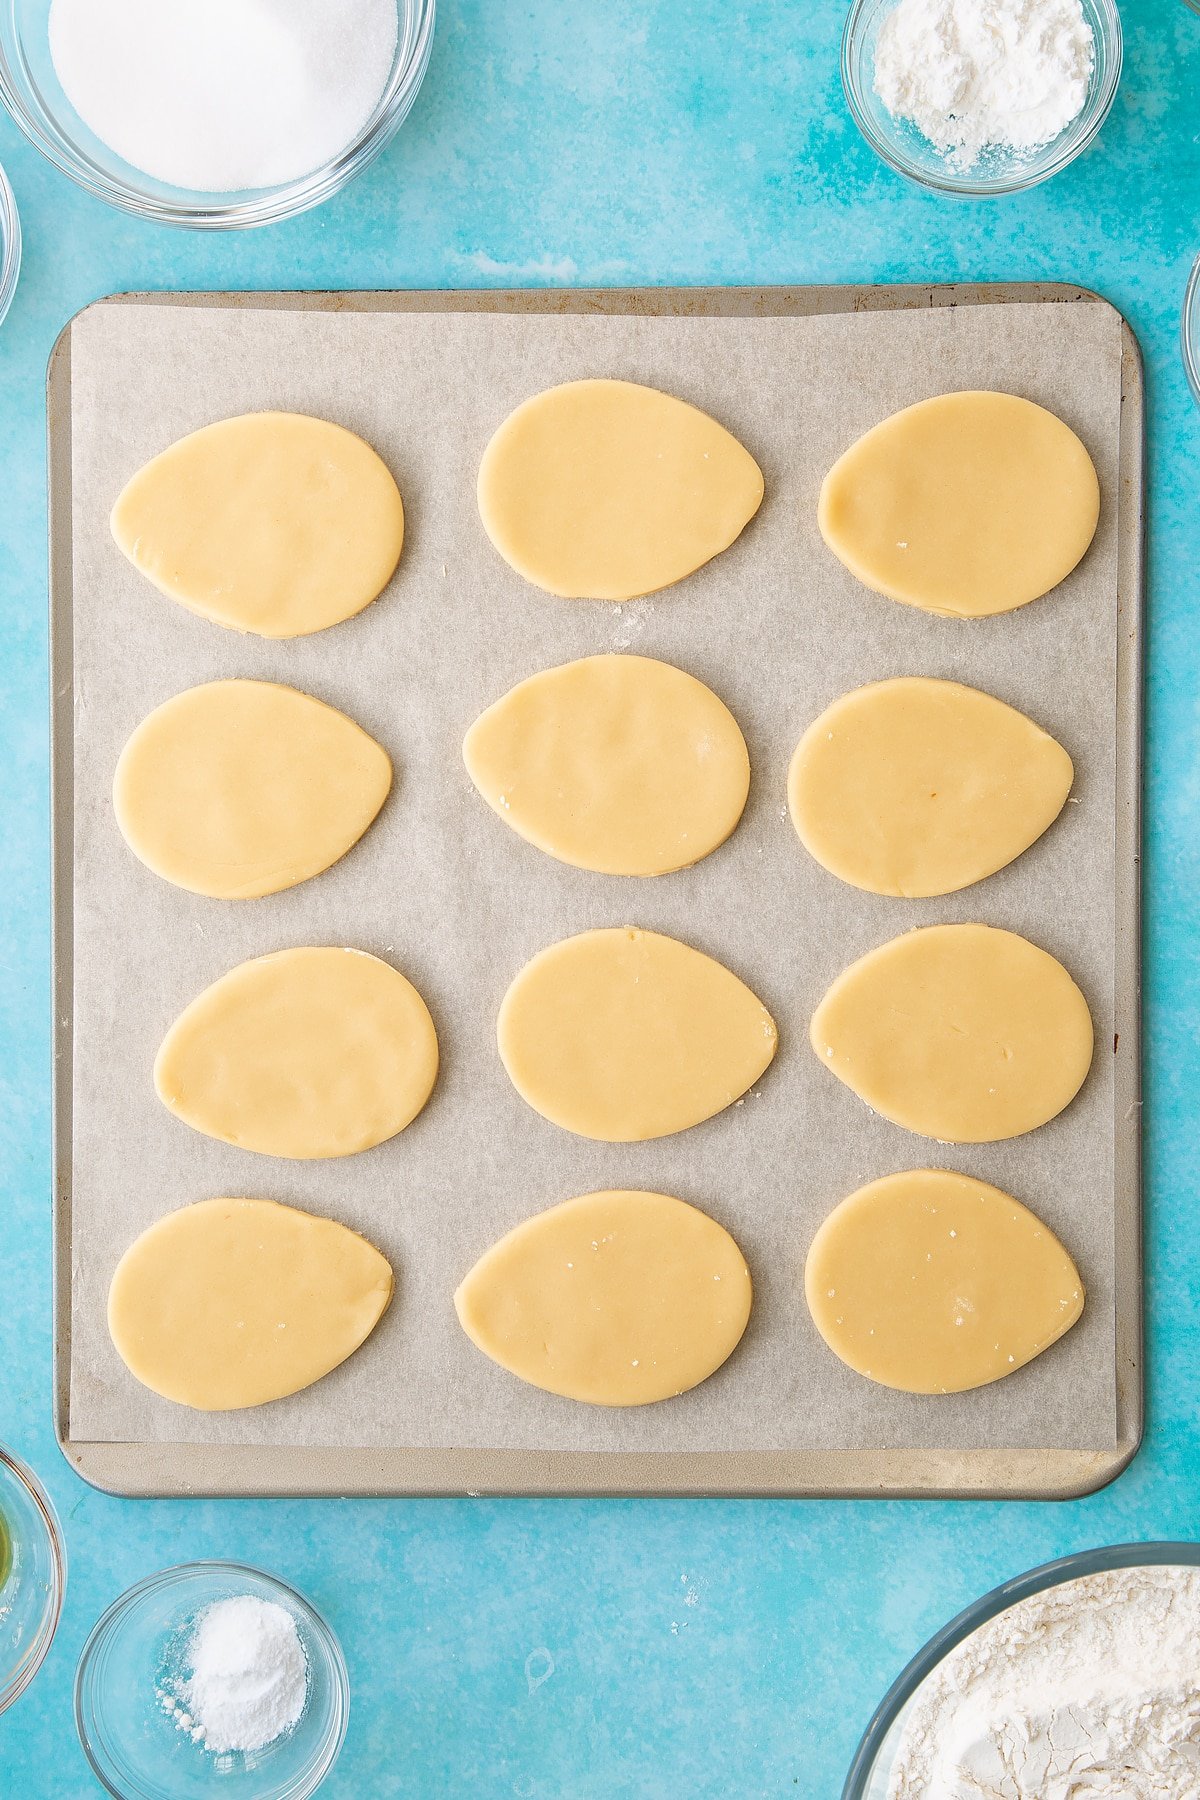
(617,1298)
(916,787)
(967,504)
(231,1303)
(963,1033)
(618,764)
(273,523)
(623,1035)
(605,490)
(304,1053)
(242,788)
(933,1283)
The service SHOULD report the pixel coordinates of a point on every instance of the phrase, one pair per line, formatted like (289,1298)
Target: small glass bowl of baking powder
(997,171)
(10,246)
(876,1758)
(1190,330)
(135,1744)
(33,94)
(33,1575)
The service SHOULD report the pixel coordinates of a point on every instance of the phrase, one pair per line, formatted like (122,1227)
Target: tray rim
(142,1470)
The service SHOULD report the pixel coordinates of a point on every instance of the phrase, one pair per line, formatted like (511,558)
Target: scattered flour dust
(249,1676)
(1089,1691)
(975,73)
(224,95)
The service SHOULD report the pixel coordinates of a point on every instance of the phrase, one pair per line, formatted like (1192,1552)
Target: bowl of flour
(1082,1676)
(981,97)
(213,114)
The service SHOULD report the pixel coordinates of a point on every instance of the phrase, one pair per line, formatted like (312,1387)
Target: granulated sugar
(224,95)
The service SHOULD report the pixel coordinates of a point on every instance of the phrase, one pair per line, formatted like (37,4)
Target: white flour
(973,73)
(249,1676)
(1089,1691)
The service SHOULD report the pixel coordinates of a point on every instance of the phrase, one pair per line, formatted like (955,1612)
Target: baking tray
(166,1468)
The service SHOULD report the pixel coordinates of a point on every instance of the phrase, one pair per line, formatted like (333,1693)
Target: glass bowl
(30,89)
(997,171)
(875,1757)
(33,1575)
(1190,325)
(135,1747)
(10,246)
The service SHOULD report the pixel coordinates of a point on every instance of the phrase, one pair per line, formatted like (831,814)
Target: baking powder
(1088,1691)
(222,95)
(248,1680)
(973,73)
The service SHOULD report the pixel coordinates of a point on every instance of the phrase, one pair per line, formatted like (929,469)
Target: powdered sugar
(974,73)
(1089,1689)
(249,1676)
(224,95)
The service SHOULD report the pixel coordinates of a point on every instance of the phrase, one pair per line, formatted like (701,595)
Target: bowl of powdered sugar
(1082,1677)
(979,97)
(212,113)
(212,1678)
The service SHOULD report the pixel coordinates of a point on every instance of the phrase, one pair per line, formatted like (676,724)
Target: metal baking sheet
(782,1417)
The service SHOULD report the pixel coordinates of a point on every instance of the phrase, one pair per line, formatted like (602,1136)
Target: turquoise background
(703,1648)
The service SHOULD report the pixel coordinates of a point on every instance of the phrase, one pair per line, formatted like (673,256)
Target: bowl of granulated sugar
(981,97)
(212,1677)
(214,114)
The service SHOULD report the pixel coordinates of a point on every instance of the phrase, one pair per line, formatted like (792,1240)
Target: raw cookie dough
(933,1283)
(614,1298)
(916,787)
(623,1035)
(274,523)
(605,490)
(963,1033)
(618,764)
(304,1053)
(967,504)
(232,1303)
(241,788)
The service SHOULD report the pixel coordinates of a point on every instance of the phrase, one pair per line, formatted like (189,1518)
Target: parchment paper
(778,628)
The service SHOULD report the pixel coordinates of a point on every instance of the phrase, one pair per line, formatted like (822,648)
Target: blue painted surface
(698,1649)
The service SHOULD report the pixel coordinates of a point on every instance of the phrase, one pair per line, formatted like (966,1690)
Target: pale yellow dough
(304,1053)
(605,490)
(242,788)
(916,787)
(623,1035)
(272,523)
(231,1303)
(968,504)
(963,1033)
(617,1299)
(618,764)
(933,1283)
